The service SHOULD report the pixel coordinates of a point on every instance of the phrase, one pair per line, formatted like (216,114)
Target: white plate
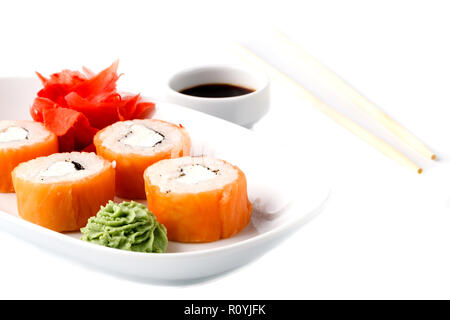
(284,198)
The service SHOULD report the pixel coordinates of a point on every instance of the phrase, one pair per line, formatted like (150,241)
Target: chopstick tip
(433,157)
(419,171)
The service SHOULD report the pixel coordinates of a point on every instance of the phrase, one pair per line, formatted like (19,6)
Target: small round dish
(244,110)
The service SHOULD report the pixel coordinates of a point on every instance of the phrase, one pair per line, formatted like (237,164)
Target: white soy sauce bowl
(244,110)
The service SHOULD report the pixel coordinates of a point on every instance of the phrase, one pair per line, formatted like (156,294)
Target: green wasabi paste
(127,226)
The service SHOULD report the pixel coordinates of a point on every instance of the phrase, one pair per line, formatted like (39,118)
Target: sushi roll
(22,141)
(198,199)
(136,144)
(63,190)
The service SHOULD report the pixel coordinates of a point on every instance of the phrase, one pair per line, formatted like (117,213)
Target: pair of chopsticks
(365,105)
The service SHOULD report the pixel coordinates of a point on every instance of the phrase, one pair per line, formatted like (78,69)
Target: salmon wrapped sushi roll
(136,144)
(21,141)
(63,190)
(198,199)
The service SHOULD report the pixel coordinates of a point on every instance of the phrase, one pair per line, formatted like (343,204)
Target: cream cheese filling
(61,168)
(141,136)
(13,134)
(196,173)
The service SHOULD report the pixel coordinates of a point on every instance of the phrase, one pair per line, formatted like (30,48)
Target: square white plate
(285,194)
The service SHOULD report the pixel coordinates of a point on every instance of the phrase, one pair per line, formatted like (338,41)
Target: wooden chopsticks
(358,99)
(347,123)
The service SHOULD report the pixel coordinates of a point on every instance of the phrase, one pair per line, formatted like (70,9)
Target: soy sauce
(216,90)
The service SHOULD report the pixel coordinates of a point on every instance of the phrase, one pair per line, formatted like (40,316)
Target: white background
(386,230)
